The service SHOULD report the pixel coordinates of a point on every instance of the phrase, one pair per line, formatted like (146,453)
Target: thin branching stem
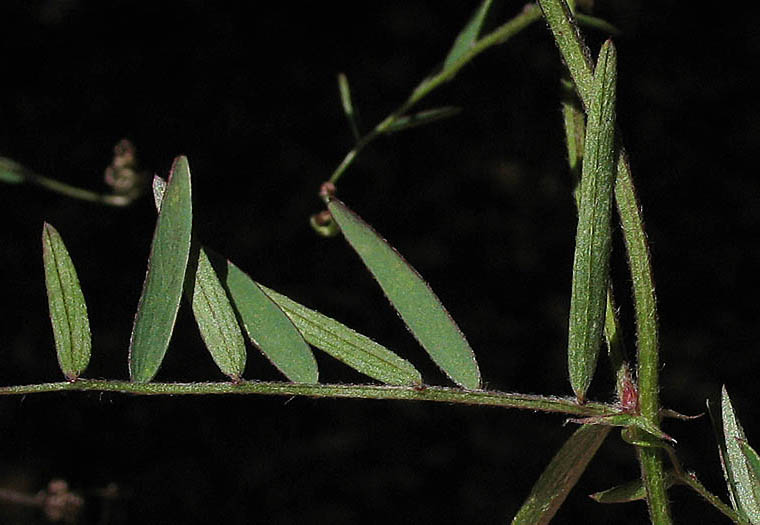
(78,193)
(410,393)
(22,174)
(527,16)
(691,480)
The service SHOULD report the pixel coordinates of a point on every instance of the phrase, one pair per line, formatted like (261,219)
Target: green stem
(527,16)
(501,34)
(578,60)
(691,480)
(655,482)
(78,193)
(15,173)
(419,393)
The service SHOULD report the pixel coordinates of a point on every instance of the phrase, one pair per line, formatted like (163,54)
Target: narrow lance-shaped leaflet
(632,491)
(346,345)
(215,317)
(68,311)
(348,105)
(594,234)
(162,289)
(266,323)
(740,476)
(469,34)
(561,475)
(410,295)
(212,310)
(753,462)
(421,118)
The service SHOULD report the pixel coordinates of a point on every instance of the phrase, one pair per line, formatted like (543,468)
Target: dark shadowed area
(480,204)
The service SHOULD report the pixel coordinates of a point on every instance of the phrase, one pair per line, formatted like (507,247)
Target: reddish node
(327,190)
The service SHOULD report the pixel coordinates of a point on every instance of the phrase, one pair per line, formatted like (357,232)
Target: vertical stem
(577,58)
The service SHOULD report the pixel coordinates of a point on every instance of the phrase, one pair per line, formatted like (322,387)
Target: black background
(480,204)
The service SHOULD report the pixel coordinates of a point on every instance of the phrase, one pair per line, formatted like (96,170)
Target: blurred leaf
(560,476)
(267,326)
(469,34)
(412,298)
(598,24)
(575,131)
(68,311)
(348,105)
(420,119)
(11,171)
(743,487)
(213,312)
(594,236)
(162,289)
(631,491)
(344,344)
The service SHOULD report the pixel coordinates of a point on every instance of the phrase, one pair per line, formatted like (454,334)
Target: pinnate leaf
(412,298)
(162,289)
(68,311)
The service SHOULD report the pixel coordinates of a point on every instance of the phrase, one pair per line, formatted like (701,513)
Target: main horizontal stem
(419,393)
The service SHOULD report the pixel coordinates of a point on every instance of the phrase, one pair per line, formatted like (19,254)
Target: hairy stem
(417,393)
(578,60)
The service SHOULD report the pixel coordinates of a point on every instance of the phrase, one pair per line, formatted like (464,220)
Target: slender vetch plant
(230,307)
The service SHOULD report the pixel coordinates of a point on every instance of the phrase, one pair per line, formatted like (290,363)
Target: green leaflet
(753,461)
(421,118)
(561,475)
(11,171)
(344,344)
(412,298)
(212,309)
(631,491)
(68,311)
(594,236)
(469,35)
(348,105)
(267,326)
(162,289)
(737,467)
(216,318)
